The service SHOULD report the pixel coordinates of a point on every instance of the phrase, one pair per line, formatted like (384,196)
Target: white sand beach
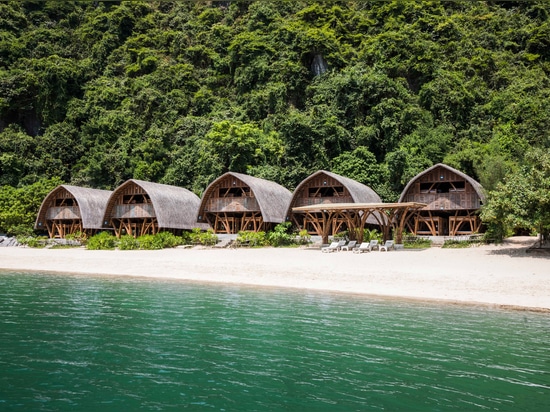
(498,275)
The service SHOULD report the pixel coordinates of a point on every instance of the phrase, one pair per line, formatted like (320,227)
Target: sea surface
(83,343)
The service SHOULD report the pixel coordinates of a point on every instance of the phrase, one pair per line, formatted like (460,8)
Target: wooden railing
(134,210)
(63,212)
(310,201)
(446,201)
(233,204)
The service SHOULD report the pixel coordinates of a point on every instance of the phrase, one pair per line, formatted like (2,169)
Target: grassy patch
(416,243)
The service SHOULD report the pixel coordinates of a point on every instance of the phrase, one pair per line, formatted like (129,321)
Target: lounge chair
(373,244)
(363,247)
(349,246)
(331,248)
(386,246)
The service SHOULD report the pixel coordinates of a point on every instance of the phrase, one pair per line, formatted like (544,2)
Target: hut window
(442,187)
(458,186)
(131,199)
(326,191)
(234,192)
(427,188)
(65,202)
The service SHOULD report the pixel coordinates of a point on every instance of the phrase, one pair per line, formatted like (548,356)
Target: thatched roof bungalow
(323,187)
(453,201)
(236,202)
(137,207)
(70,209)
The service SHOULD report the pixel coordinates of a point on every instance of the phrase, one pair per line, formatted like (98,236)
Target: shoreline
(503,276)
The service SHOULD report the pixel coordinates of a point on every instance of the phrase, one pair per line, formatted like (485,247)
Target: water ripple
(82,343)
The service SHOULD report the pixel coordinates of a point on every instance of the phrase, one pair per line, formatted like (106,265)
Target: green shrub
(150,242)
(415,242)
(208,238)
(195,236)
(305,237)
(128,242)
(77,236)
(33,241)
(280,236)
(341,235)
(22,231)
(102,241)
(169,240)
(185,238)
(460,244)
(371,234)
(252,238)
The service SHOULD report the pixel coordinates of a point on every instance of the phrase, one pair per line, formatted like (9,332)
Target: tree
(19,206)
(522,201)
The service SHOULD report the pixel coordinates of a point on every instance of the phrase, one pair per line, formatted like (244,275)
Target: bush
(208,238)
(168,239)
(280,236)
(150,242)
(371,234)
(458,244)
(77,237)
(102,241)
(198,237)
(32,241)
(22,231)
(305,237)
(252,238)
(195,236)
(128,242)
(415,242)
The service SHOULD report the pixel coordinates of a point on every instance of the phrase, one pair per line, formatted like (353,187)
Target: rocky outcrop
(6,241)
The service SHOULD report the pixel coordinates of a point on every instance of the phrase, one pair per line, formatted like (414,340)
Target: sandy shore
(502,275)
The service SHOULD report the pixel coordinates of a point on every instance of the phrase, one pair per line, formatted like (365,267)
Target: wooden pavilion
(68,209)
(326,188)
(138,208)
(389,216)
(452,199)
(237,202)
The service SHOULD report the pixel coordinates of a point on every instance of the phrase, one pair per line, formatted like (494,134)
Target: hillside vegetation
(93,93)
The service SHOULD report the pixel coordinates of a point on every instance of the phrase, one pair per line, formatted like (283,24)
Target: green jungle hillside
(93,93)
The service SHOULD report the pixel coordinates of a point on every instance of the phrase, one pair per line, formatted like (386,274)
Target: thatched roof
(175,207)
(359,192)
(477,187)
(272,198)
(91,202)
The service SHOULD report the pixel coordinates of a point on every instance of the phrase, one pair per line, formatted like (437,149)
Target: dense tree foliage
(522,200)
(95,93)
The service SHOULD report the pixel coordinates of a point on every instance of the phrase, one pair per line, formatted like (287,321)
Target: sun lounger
(363,247)
(351,244)
(331,248)
(386,246)
(373,244)
(334,246)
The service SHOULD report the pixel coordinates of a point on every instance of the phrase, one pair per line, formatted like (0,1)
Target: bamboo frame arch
(324,217)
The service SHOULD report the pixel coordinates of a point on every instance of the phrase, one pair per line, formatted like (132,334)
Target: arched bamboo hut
(323,187)
(138,208)
(453,200)
(68,209)
(235,202)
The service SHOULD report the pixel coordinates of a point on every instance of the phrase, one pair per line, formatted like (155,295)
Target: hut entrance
(225,222)
(133,213)
(427,223)
(63,216)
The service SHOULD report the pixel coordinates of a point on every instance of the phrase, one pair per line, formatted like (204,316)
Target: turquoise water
(74,343)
